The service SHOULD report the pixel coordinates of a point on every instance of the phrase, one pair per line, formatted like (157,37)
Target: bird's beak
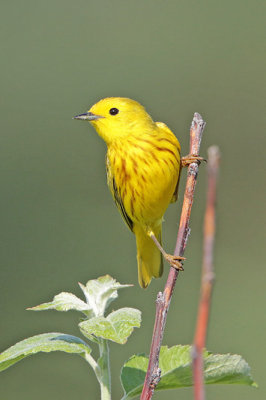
(88,116)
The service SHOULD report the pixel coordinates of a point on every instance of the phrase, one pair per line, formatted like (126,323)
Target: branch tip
(214,156)
(197,117)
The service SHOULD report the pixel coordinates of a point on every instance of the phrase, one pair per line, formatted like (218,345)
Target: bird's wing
(116,196)
(171,136)
(175,195)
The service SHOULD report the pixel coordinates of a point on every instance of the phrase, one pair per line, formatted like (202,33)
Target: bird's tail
(150,262)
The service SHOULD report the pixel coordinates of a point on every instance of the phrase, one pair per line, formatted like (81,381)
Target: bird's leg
(191,158)
(174,261)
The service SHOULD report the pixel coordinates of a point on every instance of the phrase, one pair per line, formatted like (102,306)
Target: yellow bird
(143,169)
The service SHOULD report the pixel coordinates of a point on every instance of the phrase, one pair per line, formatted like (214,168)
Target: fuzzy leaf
(175,365)
(117,326)
(64,302)
(45,342)
(101,292)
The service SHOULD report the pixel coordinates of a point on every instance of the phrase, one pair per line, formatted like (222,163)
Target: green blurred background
(58,223)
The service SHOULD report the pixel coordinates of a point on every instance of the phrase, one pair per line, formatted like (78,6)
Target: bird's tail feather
(150,262)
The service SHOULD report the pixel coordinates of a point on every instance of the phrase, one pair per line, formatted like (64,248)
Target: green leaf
(175,365)
(117,326)
(64,302)
(101,292)
(45,342)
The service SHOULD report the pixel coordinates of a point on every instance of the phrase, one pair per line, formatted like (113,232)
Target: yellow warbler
(143,169)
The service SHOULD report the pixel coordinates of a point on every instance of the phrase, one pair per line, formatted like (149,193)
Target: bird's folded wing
(117,198)
(175,195)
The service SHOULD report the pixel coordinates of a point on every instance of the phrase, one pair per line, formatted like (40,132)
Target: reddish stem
(207,275)
(163,300)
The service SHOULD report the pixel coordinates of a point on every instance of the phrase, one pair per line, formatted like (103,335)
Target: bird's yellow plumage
(143,169)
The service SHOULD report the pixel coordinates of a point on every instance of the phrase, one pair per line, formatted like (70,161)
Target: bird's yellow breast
(146,170)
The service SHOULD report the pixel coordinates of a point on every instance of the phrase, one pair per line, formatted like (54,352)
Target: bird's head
(117,117)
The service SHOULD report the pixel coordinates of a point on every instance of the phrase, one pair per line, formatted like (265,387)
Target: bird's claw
(191,158)
(175,261)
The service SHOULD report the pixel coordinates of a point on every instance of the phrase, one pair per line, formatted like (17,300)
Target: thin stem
(104,364)
(207,275)
(163,299)
(102,369)
(92,362)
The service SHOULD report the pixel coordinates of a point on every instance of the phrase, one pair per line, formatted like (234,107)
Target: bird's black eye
(113,111)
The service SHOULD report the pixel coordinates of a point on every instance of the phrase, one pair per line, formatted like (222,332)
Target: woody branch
(163,300)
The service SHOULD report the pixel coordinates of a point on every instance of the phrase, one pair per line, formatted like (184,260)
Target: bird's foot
(191,158)
(175,261)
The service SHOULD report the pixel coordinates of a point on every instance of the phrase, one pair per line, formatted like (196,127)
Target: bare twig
(207,275)
(163,299)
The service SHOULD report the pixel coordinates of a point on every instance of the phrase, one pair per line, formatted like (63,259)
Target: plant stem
(92,363)
(102,369)
(163,299)
(207,275)
(104,364)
